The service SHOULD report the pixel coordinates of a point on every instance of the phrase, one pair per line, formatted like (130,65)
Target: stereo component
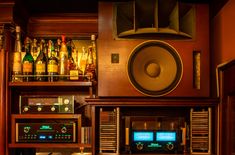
(109,131)
(155,68)
(46,132)
(44,104)
(155,134)
(144,66)
(200,135)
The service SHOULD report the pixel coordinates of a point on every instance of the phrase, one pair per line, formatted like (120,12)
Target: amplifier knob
(39,109)
(66,109)
(139,146)
(26,129)
(66,101)
(64,129)
(53,108)
(26,109)
(170,146)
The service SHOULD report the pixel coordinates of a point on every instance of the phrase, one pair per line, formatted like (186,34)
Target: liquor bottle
(28,62)
(52,64)
(91,60)
(34,50)
(83,60)
(90,66)
(17,65)
(93,44)
(57,47)
(41,63)
(63,60)
(71,66)
(45,50)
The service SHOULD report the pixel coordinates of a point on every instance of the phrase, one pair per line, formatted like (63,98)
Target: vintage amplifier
(57,132)
(155,134)
(30,104)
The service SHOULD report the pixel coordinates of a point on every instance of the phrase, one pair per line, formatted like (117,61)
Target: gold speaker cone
(154,68)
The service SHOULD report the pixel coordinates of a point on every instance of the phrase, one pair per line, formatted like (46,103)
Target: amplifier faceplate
(45,104)
(46,132)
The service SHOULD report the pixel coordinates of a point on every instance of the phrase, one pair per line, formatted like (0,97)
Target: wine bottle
(90,67)
(63,60)
(52,64)
(41,63)
(28,62)
(17,65)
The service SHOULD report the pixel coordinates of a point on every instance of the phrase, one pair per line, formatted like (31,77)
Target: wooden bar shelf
(42,84)
(168,102)
(49,145)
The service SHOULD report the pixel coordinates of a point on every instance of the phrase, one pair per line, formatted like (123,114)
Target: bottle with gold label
(52,64)
(90,66)
(63,60)
(71,65)
(28,62)
(17,65)
(41,63)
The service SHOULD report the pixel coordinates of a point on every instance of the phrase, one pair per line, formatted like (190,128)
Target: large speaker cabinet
(117,49)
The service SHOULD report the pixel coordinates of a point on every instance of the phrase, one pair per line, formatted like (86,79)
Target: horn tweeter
(155,68)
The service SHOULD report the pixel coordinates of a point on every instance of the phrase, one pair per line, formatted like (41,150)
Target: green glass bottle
(28,62)
(41,63)
(52,64)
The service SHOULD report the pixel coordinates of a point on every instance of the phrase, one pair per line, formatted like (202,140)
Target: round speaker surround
(155,68)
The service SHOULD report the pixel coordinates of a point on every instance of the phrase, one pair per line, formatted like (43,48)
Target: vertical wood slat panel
(2,93)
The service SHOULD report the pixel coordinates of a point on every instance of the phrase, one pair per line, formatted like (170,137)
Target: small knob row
(66,109)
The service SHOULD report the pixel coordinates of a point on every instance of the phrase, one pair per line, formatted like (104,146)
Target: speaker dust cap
(155,68)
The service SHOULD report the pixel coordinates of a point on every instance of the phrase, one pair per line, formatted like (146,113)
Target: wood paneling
(226,107)
(6,15)
(2,93)
(72,25)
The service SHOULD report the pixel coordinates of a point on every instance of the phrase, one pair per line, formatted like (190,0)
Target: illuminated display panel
(166,136)
(143,136)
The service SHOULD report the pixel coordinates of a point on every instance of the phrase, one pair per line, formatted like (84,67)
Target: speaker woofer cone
(155,68)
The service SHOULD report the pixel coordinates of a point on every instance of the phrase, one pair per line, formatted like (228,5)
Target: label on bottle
(52,68)
(27,67)
(73,74)
(40,67)
(16,67)
(17,57)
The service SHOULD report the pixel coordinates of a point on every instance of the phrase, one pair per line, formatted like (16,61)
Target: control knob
(139,146)
(52,108)
(26,129)
(170,146)
(66,101)
(66,109)
(63,129)
(26,109)
(39,108)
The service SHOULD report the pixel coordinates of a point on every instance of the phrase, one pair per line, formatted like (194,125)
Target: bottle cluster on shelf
(52,59)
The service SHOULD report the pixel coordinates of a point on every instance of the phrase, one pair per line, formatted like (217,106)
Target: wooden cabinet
(75,25)
(127,115)
(115,95)
(226,75)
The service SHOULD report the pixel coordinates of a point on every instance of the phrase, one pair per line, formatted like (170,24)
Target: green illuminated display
(45,127)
